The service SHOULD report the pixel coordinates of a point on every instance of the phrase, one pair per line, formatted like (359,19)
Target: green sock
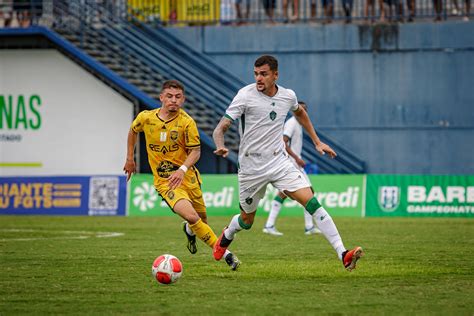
(312,205)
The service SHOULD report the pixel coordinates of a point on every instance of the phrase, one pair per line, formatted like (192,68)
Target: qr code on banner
(103,193)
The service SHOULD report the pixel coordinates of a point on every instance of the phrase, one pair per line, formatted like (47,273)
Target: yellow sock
(204,232)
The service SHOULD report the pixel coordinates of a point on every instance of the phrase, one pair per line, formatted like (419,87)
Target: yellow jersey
(167,142)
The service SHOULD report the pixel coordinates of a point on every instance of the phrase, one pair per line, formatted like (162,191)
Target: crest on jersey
(273,115)
(389,198)
(174,135)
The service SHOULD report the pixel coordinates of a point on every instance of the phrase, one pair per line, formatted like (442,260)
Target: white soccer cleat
(272,231)
(312,231)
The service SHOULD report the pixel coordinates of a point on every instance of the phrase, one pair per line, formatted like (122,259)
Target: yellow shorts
(190,189)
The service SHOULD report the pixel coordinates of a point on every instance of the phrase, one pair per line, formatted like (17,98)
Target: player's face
(265,78)
(172,99)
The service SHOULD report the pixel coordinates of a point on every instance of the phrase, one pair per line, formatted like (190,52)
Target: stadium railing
(226,12)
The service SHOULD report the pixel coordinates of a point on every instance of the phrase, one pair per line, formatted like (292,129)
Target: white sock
(308,220)
(188,230)
(274,211)
(328,228)
(234,227)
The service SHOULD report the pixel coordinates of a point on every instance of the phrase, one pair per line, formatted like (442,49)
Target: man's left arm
(303,118)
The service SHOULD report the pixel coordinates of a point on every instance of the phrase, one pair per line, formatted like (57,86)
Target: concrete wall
(401,97)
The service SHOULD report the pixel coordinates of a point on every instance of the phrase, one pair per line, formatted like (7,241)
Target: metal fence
(22,13)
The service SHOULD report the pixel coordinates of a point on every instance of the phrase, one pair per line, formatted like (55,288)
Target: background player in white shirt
(293,138)
(262,108)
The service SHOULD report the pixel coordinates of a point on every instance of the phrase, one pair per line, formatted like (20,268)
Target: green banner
(397,195)
(341,195)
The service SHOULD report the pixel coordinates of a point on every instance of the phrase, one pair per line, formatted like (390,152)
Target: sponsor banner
(342,195)
(150,10)
(198,11)
(94,195)
(399,195)
(38,134)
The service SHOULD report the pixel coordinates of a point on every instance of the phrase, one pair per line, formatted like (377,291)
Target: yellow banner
(193,11)
(150,10)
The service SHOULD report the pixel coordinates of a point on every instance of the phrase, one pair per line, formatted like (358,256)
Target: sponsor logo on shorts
(249,200)
(250,189)
(170,195)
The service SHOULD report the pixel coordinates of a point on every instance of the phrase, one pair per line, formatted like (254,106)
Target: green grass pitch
(56,265)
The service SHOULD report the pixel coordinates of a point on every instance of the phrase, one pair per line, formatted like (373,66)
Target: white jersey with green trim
(294,131)
(261,126)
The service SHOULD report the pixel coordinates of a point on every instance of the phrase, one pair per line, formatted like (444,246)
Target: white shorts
(284,177)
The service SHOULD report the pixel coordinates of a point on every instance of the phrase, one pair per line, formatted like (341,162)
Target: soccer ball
(167,269)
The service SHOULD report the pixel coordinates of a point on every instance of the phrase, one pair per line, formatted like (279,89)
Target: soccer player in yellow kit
(173,147)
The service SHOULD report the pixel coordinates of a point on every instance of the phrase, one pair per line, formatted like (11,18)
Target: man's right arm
(218,136)
(130,166)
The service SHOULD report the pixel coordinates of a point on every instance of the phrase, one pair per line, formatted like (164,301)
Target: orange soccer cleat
(349,258)
(221,246)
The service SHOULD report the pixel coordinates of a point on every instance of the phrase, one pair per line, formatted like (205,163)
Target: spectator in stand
(328,7)
(438,7)
(347,6)
(313,9)
(295,14)
(457,11)
(395,10)
(370,5)
(241,17)
(411,10)
(6,13)
(269,6)
(22,11)
(467,10)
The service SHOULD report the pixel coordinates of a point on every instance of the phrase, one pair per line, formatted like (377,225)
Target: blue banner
(78,195)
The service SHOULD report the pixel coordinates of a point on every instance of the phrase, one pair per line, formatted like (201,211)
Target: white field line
(69,234)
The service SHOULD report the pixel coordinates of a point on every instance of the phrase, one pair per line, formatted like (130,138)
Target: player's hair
(271,61)
(172,84)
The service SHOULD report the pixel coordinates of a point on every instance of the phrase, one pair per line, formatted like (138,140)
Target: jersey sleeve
(236,107)
(137,125)
(289,128)
(294,100)
(191,135)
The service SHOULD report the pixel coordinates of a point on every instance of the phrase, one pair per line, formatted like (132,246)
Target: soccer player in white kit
(262,108)
(293,139)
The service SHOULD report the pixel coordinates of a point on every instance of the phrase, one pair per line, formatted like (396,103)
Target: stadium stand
(146,56)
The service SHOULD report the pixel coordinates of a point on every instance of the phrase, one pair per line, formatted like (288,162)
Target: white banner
(58,119)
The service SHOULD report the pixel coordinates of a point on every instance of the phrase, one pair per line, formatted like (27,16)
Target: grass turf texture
(412,266)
